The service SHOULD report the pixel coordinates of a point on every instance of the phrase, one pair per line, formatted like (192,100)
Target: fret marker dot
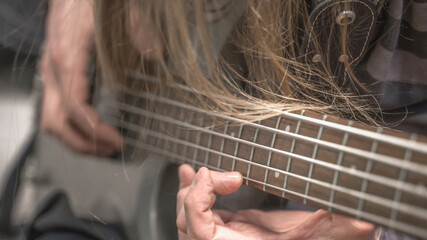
(420,188)
(276,174)
(353,168)
(287,128)
(232,134)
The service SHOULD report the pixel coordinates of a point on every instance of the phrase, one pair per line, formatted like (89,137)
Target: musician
(266,51)
(332,87)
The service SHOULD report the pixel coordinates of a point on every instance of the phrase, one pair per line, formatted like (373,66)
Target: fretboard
(345,167)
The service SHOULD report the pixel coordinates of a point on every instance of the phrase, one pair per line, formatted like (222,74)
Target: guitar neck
(344,167)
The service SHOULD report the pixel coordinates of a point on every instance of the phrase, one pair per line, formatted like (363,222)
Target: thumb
(200,198)
(226,182)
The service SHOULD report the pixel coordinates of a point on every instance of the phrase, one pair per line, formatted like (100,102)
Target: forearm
(71,17)
(68,43)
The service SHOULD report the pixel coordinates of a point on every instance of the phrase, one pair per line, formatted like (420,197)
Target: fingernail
(232,175)
(195,180)
(202,171)
(180,176)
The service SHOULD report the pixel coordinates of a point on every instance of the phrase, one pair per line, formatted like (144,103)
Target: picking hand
(66,113)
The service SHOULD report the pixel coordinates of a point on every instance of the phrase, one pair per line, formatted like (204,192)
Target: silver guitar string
(407,187)
(395,141)
(402,207)
(392,161)
(420,232)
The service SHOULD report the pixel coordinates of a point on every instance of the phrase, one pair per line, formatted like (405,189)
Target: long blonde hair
(269,74)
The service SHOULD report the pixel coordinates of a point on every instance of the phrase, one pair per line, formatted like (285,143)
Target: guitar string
(402,207)
(410,145)
(389,160)
(415,189)
(398,225)
(388,139)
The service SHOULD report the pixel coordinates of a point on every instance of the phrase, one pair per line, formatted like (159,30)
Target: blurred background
(21,35)
(17,105)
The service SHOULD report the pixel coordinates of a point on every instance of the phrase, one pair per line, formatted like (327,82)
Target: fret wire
(222,145)
(145,137)
(368,216)
(170,127)
(164,144)
(386,202)
(178,132)
(379,179)
(288,165)
(209,146)
(188,133)
(402,176)
(339,162)
(354,151)
(392,161)
(396,141)
(236,149)
(270,153)
(368,169)
(196,152)
(388,139)
(310,171)
(252,153)
(157,140)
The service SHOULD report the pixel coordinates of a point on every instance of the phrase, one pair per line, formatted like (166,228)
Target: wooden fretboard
(345,167)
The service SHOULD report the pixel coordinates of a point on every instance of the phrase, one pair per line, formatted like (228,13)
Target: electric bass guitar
(368,173)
